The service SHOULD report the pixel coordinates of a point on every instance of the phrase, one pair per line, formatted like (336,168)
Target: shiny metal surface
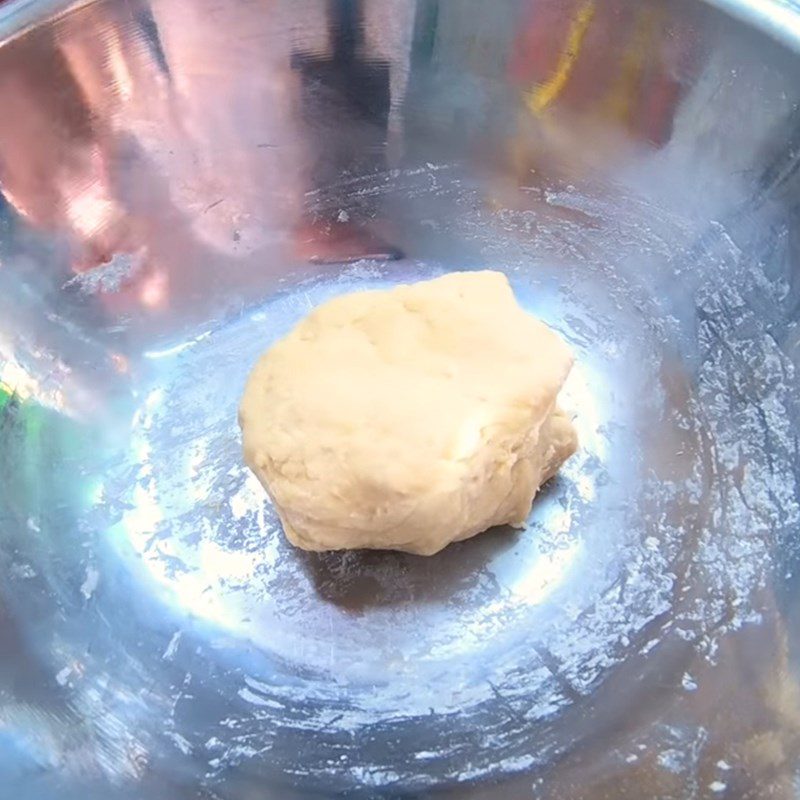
(182,184)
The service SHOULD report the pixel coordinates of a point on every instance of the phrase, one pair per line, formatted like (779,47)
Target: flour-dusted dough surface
(409,418)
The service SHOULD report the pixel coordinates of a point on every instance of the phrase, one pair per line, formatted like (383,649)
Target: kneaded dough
(409,418)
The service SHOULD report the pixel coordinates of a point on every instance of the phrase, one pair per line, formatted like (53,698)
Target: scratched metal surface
(178,190)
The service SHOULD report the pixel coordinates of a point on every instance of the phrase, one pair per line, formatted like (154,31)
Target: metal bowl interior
(180,190)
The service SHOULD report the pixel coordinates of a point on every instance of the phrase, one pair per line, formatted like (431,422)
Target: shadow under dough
(357,580)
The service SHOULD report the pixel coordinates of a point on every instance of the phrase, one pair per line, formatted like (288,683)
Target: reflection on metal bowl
(180,188)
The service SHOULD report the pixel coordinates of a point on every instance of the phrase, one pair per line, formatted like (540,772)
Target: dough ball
(409,418)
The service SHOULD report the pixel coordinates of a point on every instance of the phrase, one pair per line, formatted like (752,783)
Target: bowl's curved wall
(181,183)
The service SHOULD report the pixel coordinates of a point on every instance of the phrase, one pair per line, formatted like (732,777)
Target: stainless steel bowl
(182,182)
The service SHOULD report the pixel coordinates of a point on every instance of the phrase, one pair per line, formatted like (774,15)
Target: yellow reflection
(16,380)
(541,97)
